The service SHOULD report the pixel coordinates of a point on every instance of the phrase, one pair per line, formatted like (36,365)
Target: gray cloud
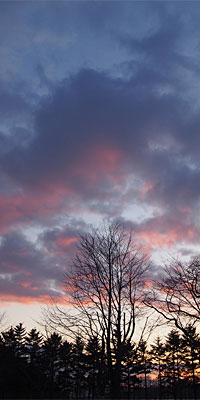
(105,116)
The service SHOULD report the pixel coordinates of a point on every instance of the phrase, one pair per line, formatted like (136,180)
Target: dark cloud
(35,270)
(87,111)
(91,115)
(62,242)
(105,117)
(26,270)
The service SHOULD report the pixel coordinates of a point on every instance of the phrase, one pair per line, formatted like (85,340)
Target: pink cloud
(53,196)
(165,232)
(102,161)
(11,298)
(20,209)
(61,244)
(147,187)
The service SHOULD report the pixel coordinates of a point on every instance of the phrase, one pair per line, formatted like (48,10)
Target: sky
(99,119)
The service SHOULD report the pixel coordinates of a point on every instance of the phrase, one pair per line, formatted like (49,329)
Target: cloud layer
(99,118)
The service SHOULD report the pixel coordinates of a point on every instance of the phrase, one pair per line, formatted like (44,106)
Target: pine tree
(173,359)
(158,362)
(78,366)
(9,338)
(33,341)
(20,333)
(191,345)
(143,362)
(93,362)
(65,372)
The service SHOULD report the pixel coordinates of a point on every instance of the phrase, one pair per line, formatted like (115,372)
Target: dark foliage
(34,367)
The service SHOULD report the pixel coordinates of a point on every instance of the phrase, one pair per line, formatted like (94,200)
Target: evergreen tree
(33,341)
(173,359)
(9,338)
(131,368)
(158,362)
(93,362)
(78,366)
(65,377)
(143,362)
(20,333)
(34,338)
(191,346)
(51,354)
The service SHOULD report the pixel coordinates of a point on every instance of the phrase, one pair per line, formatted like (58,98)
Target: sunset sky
(99,118)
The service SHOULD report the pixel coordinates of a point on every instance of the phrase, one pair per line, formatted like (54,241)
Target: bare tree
(177,295)
(106,289)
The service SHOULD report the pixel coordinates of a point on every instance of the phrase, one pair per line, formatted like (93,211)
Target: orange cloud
(42,299)
(25,284)
(66,242)
(61,244)
(155,238)
(148,284)
(158,239)
(29,285)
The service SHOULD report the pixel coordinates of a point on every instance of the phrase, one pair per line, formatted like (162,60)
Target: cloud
(93,133)
(168,230)
(27,272)
(106,121)
(34,271)
(63,241)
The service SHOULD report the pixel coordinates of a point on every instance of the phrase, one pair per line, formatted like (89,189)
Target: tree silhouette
(33,341)
(191,351)
(128,367)
(18,379)
(106,287)
(158,352)
(173,360)
(79,367)
(142,359)
(51,353)
(65,377)
(176,295)
(20,333)
(59,369)
(9,338)
(93,361)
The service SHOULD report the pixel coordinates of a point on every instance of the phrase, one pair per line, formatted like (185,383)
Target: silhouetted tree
(106,288)
(93,352)
(190,355)
(143,361)
(173,348)
(158,353)
(65,376)
(60,369)
(176,296)
(9,338)
(33,341)
(18,379)
(20,333)
(51,353)
(79,367)
(128,370)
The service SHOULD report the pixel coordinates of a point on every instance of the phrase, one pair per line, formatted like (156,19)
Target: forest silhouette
(109,289)
(36,367)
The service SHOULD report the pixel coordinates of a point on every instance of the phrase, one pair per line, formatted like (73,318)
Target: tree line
(36,367)
(110,292)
